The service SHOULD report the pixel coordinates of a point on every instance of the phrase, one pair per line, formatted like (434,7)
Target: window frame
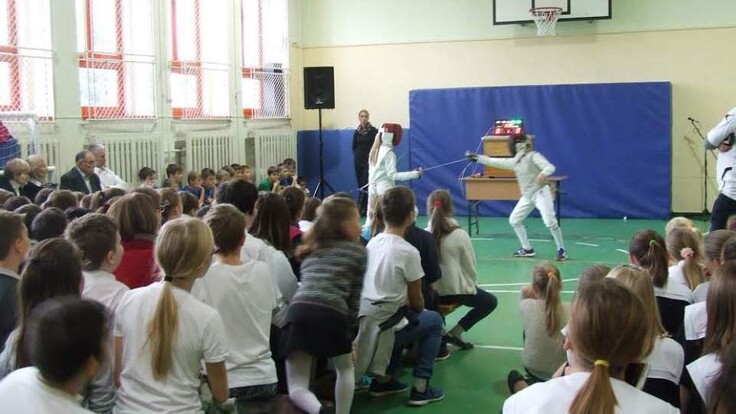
(248,72)
(90,59)
(10,54)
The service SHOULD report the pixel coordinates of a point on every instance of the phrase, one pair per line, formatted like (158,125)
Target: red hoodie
(138,267)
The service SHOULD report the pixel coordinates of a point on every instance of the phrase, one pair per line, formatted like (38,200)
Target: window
(199,58)
(116,58)
(265,59)
(25,57)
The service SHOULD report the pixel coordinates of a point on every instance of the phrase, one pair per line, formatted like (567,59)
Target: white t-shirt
(556,396)
(23,392)
(701,292)
(256,249)
(201,336)
(392,264)
(666,360)
(245,297)
(104,288)
(703,372)
(676,274)
(305,225)
(696,321)
(675,291)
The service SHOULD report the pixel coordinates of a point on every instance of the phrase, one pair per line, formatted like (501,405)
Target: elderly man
(107,177)
(82,178)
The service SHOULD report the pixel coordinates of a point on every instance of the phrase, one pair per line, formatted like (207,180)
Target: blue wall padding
(612,140)
(338,158)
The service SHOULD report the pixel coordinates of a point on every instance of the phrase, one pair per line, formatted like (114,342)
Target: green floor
(475,381)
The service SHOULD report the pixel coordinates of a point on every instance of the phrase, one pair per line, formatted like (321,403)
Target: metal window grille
(116,58)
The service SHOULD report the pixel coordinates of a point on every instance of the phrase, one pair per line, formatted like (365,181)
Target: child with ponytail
(667,356)
(684,248)
(171,205)
(543,315)
(648,250)
(457,261)
(162,333)
(605,334)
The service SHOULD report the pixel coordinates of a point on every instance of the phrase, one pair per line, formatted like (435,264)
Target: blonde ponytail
(162,333)
(596,395)
(552,304)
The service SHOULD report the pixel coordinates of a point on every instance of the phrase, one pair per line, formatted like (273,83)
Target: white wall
(377,64)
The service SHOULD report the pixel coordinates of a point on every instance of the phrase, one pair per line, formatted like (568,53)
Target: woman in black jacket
(363,138)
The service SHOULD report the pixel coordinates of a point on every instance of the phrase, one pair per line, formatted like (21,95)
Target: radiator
(128,153)
(211,150)
(272,146)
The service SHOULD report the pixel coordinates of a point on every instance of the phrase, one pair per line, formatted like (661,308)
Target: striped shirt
(333,277)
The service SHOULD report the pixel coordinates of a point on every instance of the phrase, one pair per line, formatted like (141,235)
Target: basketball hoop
(546,19)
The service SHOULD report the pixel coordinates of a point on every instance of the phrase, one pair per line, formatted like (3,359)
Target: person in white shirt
(604,336)
(97,236)
(667,356)
(684,248)
(60,258)
(532,170)
(311,204)
(382,163)
(457,286)
(647,249)
(245,295)
(108,178)
(66,343)
(720,331)
(163,334)
(393,279)
(722,399)
(721,137)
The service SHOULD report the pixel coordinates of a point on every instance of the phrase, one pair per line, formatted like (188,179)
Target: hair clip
(652,243)
(687,253)
(164,204)
(437,204)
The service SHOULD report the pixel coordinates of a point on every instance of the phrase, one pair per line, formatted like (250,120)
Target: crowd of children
(219,295)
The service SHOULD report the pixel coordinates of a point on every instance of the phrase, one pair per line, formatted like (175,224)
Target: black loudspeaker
(319,87)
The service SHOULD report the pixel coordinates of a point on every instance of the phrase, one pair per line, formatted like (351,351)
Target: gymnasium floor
(475,381)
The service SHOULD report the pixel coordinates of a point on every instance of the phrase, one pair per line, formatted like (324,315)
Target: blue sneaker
(429,395)
(381,390)
(363,384)
(522,252)
(561,255)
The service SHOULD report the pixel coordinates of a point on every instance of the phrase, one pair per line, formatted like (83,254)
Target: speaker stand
(322,183)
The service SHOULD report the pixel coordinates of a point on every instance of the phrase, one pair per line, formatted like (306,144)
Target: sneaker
(458,342)
(363,384)
(561,255)
(443,354)
(512,379)
(522,252)
(392,387)
(429,395)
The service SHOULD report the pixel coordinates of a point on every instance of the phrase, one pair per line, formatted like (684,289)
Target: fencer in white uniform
(721,137)
(531,169)
(382,174)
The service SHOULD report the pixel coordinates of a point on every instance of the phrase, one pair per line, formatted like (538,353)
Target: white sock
(521,234)
(420,384)
(345,383)
(557,235)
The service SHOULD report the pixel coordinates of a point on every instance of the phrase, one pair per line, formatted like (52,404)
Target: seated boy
(271,182)
(387,324)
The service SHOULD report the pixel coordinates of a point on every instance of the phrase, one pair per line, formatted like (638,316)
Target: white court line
(587,244)
(504,348)
(541,240)
(622,251)
(516,284)
(482,238)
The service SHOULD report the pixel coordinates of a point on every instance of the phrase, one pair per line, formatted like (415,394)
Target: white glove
(471,156)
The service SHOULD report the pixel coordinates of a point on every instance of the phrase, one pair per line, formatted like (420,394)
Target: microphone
(690,119)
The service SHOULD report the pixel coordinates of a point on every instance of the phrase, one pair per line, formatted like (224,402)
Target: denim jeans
(255,398)
(428,333)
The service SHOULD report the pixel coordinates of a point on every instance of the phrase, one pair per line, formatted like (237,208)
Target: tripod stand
(695,124)
(322,183)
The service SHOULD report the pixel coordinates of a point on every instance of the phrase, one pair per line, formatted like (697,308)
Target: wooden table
(506,188)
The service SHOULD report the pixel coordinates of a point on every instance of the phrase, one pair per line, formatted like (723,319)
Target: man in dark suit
(14,246)
(82,178)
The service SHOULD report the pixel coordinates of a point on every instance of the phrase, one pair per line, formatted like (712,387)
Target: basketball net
(546,19)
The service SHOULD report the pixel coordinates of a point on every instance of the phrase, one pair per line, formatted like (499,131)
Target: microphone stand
(705,166)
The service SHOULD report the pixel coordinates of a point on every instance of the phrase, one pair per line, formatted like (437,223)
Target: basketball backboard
(517,11)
